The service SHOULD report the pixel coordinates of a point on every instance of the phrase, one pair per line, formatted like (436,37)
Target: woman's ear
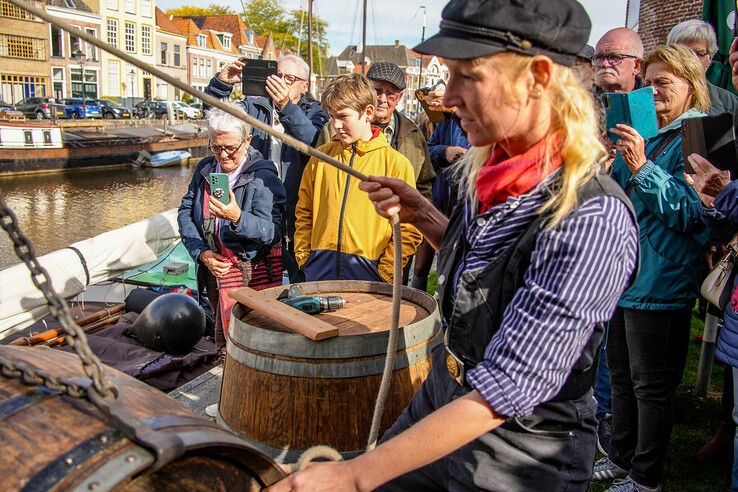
(541,69)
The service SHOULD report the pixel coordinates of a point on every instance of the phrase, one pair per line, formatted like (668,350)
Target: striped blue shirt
(577,273)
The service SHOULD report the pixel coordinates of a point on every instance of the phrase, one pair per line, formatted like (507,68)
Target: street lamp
(132,76)
(82,59)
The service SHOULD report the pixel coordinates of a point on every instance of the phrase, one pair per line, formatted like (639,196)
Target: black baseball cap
(474,28)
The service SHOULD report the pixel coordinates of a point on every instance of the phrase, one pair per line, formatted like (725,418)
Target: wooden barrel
(285,393)
(58,443)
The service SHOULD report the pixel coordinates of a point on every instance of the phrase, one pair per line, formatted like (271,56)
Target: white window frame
(114,88)
(63,80)
(92,32)
(176,50)
(202,41)
(116,44)
(61,43)
(130,6)
(112,4)
(146,40)
(126,39)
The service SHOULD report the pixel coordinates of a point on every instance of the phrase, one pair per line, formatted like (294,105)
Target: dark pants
(553,450)
(646,352)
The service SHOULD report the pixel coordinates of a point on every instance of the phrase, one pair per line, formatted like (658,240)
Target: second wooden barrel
(53,442)
(285,393)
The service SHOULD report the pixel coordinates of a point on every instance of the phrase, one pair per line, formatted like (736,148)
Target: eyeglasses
(290,79)
(613,58)
(230,150)
(701,54)
(389,94)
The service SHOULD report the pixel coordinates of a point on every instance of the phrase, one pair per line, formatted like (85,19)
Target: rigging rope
(292,142)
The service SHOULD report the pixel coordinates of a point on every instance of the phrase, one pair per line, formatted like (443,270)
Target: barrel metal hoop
(329,369)
(158,422)
(53,473)
(117,470)
(366,345)
(8,408)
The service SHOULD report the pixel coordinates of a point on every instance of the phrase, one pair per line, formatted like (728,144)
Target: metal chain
(75,336)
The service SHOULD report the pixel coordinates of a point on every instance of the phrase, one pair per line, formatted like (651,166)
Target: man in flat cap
(404,135)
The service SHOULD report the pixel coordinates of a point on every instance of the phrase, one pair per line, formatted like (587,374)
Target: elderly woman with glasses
(649,334)
(234,244)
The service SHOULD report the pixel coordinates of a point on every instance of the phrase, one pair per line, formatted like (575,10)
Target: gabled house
(171,46)
(206,54)
(75,64)
(24,54)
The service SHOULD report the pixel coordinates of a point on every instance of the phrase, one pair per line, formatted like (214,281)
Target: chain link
(75,336)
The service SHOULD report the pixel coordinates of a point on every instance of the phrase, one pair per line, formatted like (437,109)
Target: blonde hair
(349,91)
(684,64)
(572,116)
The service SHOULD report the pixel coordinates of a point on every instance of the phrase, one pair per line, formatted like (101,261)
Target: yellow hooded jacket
(338,234)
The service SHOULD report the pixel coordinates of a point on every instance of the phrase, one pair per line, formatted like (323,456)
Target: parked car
(197,104)
(40,107)
(150,109)
(82,108)
(187,110)
(5,106)
(111,109)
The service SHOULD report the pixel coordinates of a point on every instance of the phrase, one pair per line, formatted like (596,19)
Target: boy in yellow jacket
(338,234)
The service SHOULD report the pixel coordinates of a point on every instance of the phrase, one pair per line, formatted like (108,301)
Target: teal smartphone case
(635,109)
(219,187)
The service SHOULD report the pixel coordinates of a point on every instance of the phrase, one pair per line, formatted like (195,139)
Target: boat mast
(363,42)
(310,42)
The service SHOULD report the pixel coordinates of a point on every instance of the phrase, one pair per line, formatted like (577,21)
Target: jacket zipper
(340,217)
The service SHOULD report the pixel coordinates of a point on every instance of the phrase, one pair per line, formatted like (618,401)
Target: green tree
(320,41)
(268,16)
(187,10)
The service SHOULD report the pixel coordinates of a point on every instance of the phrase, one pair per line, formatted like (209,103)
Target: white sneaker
(212,410)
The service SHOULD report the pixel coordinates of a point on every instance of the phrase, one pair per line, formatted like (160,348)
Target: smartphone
(635,109)
(254,76)
(219,187)
(712,137)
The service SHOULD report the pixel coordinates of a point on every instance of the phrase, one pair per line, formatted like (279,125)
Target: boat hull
(13,161)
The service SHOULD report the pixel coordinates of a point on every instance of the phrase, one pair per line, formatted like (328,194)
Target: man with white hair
(617,61)
(289,109)
(699,36)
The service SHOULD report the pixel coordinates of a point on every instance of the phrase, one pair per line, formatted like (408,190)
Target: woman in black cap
(532,262)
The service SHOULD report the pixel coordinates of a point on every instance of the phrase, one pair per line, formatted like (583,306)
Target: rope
(315,453)
(292,142)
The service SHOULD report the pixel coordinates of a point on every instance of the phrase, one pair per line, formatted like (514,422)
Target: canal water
(56,210)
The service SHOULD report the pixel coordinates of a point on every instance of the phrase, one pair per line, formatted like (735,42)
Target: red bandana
(503,176)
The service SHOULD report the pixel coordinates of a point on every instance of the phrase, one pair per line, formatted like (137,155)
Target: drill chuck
(331,303)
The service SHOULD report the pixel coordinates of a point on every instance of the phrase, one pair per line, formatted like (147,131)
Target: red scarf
(503,176)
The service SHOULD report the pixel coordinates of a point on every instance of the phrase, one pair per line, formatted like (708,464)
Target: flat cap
(388,72)
(475,28)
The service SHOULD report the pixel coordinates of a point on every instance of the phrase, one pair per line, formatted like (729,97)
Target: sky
(388,20)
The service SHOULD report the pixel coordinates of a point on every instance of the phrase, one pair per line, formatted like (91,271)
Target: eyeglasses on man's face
(230,150)
(290,79)
(613,58)
(389,93)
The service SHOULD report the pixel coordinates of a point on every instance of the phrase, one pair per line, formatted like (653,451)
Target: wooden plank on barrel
(292,318)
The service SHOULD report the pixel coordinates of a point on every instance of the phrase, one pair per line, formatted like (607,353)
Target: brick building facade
(657,17)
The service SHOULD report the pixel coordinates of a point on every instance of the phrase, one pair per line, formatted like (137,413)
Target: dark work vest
(475,315)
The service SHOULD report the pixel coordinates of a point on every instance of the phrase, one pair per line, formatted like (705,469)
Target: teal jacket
(672,236)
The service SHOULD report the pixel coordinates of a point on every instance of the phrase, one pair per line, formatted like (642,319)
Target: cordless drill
(315,304)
